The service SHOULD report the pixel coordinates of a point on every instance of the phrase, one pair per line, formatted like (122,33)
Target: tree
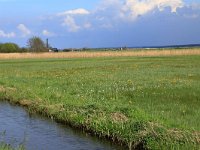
(23,49)
(9,48)
(36,44)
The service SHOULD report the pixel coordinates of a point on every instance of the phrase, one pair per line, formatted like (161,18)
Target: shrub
(9,48)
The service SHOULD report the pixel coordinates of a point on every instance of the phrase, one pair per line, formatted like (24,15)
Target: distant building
(53,50)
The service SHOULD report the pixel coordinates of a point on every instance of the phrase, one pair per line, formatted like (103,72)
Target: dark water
(40,133)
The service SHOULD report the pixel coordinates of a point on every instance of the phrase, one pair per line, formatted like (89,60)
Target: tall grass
(169,52)
(143,102)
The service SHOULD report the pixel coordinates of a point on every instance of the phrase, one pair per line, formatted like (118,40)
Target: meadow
(142,101)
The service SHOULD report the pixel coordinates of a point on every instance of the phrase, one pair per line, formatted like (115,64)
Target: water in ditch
(40,133)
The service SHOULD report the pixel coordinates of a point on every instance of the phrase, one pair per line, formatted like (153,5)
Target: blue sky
(101,23)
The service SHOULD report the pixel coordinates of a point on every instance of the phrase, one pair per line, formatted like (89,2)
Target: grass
(142,102)
(4,146)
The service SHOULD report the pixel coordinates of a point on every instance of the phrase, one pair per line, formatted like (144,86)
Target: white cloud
(135,8)
(79,11)
(25,31)
(47,33)
(131,9)
(69,21)
(7,35)
(71,24)
(111,12)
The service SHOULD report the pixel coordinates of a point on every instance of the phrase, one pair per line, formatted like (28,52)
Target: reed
(141,53)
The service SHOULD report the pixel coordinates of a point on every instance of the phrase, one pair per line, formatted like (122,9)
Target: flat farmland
(148,100)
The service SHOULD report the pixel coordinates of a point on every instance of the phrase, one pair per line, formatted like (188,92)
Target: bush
(9,48)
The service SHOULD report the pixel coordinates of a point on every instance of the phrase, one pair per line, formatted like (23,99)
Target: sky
(101,23)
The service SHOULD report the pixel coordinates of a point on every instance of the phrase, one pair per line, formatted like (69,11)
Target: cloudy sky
(101,23)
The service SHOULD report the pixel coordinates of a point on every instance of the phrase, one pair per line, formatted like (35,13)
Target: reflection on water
(40,133)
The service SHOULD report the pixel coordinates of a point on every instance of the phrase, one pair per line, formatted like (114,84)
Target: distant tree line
(35,44)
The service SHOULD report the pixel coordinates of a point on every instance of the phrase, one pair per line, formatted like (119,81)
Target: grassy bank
(150,102)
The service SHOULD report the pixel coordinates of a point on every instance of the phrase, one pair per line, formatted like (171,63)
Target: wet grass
(143,102)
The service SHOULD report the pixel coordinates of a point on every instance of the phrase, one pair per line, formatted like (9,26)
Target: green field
(151,102)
